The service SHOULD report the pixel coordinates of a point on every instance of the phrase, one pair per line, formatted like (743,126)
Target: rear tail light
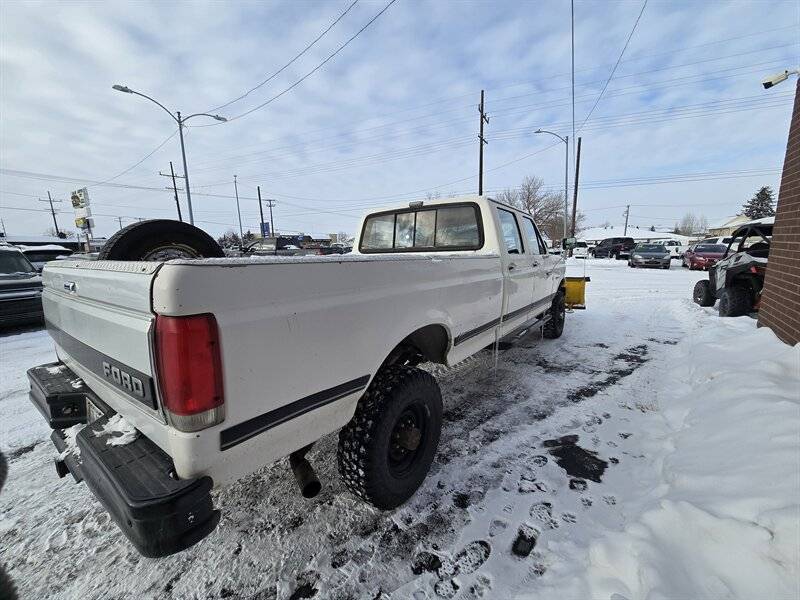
(190,371)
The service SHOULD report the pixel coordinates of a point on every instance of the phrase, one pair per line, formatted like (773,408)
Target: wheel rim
(406,442)
(170,251)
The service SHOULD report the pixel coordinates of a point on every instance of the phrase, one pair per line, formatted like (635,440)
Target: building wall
(780,303)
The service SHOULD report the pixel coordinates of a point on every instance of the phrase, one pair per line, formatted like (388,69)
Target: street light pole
(185,169)
(180,121)
(566,175)
(238,211)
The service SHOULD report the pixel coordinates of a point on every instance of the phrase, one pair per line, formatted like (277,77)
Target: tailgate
(99,315)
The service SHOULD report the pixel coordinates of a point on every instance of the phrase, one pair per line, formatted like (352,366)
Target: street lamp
(566,173)
(180,120)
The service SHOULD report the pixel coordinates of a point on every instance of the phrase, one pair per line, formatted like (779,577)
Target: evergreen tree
(761,205)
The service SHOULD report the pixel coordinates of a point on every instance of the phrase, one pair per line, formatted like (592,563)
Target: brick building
(780,302)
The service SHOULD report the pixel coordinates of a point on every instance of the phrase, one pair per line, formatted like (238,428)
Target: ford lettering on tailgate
(123,379)
(135,384)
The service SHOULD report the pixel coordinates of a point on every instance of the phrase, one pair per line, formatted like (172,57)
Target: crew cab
(169,351)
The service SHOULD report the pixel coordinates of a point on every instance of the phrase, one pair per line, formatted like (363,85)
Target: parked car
(619,248)
(724,240)
(182,358)
(20,289)
(675,247)
(650,255)
(703,256)
(737,279)
(580,249)
(336,248)
(39,255)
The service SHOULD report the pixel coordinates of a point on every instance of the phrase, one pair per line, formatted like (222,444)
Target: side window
(532,235)
(511,234)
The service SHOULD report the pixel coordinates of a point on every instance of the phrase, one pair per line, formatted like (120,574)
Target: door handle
(512,266)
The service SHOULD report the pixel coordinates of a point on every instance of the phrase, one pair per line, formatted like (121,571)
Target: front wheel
(702,293)
(387,448)
(554,326)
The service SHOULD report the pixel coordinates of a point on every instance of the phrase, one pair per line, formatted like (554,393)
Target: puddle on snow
(576,461)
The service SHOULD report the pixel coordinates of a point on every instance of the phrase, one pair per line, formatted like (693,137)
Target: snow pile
(118,425)
(725,521)
(71,438)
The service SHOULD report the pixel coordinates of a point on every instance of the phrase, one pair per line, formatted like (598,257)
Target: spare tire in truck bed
(160,240)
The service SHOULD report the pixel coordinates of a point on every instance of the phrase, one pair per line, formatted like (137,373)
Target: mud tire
(367,454)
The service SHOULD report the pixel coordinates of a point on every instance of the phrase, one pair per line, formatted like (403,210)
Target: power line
(614,70)
(132,167)
(312,71)
(288,64)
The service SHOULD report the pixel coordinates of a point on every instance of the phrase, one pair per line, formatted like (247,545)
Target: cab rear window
(445,227)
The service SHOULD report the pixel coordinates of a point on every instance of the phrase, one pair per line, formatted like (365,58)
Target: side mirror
(567,243)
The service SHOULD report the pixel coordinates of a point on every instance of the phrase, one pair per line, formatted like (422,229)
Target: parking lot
(557,473)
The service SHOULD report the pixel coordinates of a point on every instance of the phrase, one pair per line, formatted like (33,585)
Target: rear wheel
(702,294)
(386,450)
(160,240)
(735,301)
(558,312)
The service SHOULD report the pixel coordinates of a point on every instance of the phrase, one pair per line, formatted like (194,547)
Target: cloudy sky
(683,125)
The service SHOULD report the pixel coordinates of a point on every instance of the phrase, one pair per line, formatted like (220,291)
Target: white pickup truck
(184,352)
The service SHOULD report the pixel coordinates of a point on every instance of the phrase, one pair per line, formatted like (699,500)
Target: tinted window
(404,230)
(535,242)
(46,256)
(424,233)
(378,232)
(650,248)
(457,227)
(511,234)
(441,228)
(14,262)
(580,245)
(719,248)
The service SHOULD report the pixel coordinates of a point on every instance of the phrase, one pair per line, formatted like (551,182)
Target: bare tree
(691,224)
(433,195)
(345,238)
(51,231)
(546,207)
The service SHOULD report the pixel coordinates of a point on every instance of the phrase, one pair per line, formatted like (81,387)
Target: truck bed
(296,333)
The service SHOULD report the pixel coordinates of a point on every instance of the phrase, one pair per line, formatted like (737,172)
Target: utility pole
(52,211)
(575,188)
(481,142)
(627,214)
(3,225)
(120,222)
(174,187)
(261,211)
(271,222)
(238,211)
(566,183)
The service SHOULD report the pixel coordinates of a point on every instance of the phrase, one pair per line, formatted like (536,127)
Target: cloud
(395,112)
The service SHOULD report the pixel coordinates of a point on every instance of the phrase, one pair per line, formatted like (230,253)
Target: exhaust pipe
(304,473)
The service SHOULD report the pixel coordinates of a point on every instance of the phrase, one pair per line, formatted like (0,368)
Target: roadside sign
(265,230)
(80,202)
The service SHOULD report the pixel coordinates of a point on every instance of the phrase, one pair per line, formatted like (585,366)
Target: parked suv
(618,247)
(20,289)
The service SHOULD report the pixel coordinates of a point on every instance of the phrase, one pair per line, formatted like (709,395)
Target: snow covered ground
(651,452)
